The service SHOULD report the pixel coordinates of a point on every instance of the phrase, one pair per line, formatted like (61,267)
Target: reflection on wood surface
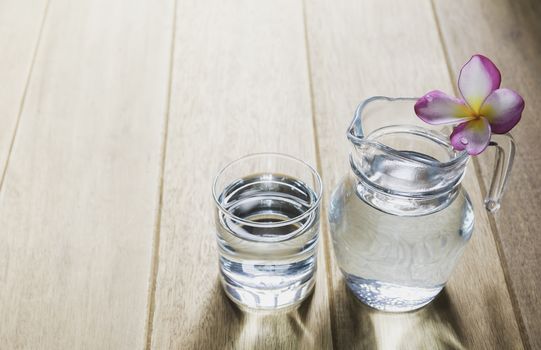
(223,325)
(435,326)
(432,327)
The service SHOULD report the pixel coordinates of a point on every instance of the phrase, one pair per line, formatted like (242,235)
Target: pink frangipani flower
(483,109)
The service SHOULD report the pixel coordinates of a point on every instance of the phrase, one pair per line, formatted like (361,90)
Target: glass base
(390,297)
(260,299)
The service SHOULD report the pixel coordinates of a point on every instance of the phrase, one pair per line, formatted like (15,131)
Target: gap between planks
(324,229)
(494,228)
(25,89)
(155,258)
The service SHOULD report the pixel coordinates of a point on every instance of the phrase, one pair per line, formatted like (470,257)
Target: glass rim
(313,206)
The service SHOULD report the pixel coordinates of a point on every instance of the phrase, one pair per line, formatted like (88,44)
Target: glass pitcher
(400,219)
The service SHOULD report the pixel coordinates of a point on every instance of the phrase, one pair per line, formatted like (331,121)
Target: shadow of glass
(283,329)
(223,325)
(220,323)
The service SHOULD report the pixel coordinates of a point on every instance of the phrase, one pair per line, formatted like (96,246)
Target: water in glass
(268,259)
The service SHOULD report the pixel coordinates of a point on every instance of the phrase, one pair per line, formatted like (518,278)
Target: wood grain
(240,85)
(359,49)
(122,113)
(20,27)
(78,205)
(509,32)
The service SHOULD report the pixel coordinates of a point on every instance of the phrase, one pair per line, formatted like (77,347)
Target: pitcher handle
(504,145)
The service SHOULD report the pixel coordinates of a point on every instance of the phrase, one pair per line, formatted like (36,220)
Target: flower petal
(477,79)
(472,136)
(437,107)
(503,109)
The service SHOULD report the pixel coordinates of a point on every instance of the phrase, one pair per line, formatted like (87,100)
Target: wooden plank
(359,49)
(79,201)
(240,85)
(509,32)
(20,26)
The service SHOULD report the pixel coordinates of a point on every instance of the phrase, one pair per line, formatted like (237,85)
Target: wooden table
(116,115)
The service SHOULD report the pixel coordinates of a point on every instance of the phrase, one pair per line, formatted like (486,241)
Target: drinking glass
(267,224)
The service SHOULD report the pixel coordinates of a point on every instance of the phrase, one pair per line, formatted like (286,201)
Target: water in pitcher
(401,219)
(264,263)
(393,262)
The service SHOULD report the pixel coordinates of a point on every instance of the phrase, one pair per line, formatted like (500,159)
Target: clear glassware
(400,219)
(267,224)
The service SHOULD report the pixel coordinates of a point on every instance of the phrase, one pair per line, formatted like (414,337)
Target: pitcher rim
(460,158)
